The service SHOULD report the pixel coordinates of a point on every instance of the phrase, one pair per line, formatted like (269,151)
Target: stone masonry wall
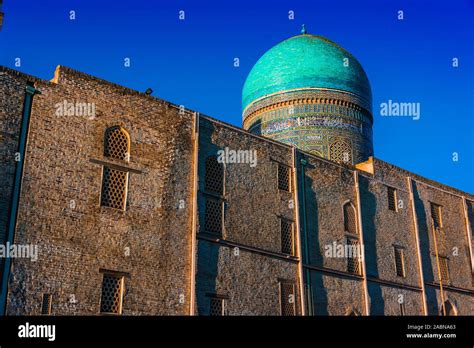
(328,187)
(150,242)
(60,205)
(385,230)
(12,95)
(253,205)
(453,242)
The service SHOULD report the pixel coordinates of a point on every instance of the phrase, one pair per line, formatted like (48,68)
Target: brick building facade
(132,214)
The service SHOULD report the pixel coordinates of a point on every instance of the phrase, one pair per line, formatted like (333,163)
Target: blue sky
(190,62)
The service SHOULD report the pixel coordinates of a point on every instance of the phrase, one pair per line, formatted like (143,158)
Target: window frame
(223,172)
(222,212)
(217,297)
(440,215)
(402,261)
(354,211)
(281,284)
(392,198)
(107,132)
(292,236)
(287,168)
(357,259)
(126,187)
(121,278)
(114,167)
(444,261)
(48,311)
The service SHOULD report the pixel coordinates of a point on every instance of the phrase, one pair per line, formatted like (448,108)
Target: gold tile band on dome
(282,113)
(346,106)
(308,92)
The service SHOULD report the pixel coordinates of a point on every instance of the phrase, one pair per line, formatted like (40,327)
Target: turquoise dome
(305,61)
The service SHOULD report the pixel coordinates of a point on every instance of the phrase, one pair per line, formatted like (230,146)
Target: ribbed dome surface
(305,61)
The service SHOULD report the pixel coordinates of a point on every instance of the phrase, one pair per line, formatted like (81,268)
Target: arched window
(115,180)
(117,143)
(340,151)
(350,222)
(214,176)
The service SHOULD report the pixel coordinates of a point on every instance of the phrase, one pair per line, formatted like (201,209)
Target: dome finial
(303,30)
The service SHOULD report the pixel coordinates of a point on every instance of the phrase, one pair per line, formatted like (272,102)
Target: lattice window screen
(436,215)
(213,217)
(46,304)
(470,214)
(114,188)
(287,237)
(392,198)
(117,143)
(399,262)
(340,151)
(214,178)
(112,293)
(287,299)
(283,177)
(350,222)
(353,264)
(216,306)
(444,270)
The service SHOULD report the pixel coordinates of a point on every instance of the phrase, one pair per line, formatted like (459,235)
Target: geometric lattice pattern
(287,299)
(340,151)
(112,292)
(399,261)
(287,243)
(214,179)
(353,264)
(283,177)
(443,268)
(117,143)
(392,198)
(436,215)
(350,223)
(216,306)
(213,217)
(46,304)
(114,188)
